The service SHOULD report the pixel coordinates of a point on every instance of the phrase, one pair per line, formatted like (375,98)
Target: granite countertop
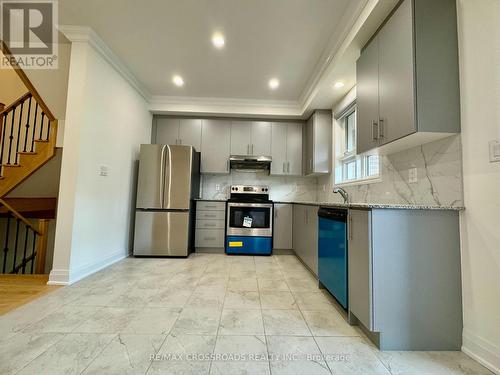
(378,205)
(362,205)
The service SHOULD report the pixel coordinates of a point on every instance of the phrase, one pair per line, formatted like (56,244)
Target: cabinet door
(279,148)
(396,76)
(322,142)
(215,146)
(261,138)
(311,255)
(282,237)
(360,266)
(167,131)
(241,137)
(294,149)
(367,98)
(190,133)
(298,234)
(309,154)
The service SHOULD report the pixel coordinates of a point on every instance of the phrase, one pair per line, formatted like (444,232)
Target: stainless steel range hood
(250,163)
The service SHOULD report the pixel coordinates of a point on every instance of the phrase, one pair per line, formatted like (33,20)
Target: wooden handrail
(20,217)
(17,102)
(27,82)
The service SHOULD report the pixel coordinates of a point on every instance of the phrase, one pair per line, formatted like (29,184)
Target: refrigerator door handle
(162,168)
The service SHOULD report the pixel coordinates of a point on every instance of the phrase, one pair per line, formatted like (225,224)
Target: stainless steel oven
(249,221)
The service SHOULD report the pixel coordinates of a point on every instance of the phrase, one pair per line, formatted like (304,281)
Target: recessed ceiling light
(218,40)
(274,83)
(177,80)
(339,85)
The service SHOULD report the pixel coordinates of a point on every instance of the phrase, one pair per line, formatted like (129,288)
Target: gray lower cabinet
(408,78)
(305,235)
(283,221)
(405,278)
(210,224)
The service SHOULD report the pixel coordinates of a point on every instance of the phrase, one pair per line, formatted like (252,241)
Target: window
(350,167)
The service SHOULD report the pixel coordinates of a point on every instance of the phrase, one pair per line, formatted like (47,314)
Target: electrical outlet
(413,175)
(217,187)
(102,171)
(495,151)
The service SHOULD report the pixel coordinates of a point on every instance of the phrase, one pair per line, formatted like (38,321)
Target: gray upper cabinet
(408,80)
(215,146)
(174,131)
(251,138)
(318,153)
(366,92)
(261,138)
(190,133)
(286,149)
(167,131)
(241,137)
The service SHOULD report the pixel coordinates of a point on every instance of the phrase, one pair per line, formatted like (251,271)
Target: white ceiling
(287,39)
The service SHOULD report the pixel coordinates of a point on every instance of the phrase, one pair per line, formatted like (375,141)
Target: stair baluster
(27,125)
(16,159)
(34,128)
(11,136)
(6,247)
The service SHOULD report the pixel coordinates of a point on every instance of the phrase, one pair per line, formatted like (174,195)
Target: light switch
(413,175)
(217,187)
(102,171)
(494,151)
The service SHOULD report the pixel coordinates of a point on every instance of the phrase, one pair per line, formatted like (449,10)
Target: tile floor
(208,314)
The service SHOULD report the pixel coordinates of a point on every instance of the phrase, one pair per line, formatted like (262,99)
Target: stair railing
(25,246)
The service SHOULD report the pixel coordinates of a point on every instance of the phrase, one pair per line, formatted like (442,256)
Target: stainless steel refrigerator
(168,183)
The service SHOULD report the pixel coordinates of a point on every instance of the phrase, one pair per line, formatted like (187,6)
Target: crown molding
(225,106)
(85,34)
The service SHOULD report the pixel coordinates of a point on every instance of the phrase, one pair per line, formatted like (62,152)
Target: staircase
(28,132)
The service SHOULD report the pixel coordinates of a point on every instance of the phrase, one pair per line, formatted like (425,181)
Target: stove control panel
(245,189)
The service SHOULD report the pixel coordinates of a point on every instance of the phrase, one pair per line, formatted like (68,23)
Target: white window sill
(362,181)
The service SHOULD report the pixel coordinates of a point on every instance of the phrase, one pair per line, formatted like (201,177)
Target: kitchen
(272,187)
(256,184)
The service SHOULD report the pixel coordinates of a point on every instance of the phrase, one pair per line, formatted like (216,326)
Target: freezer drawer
(162,233)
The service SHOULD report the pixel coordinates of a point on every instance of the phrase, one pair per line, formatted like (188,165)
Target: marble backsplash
(288,189)
(439,171)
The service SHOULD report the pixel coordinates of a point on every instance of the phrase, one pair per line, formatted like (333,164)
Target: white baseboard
(87,269)
(58,277)
(481,350)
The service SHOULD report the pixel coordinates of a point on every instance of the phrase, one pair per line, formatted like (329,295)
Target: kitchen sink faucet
(342,192)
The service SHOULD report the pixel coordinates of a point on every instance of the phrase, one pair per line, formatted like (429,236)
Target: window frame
(344,157)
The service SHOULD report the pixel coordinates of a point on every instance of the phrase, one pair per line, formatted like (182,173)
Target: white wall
(106,121)
(479,24)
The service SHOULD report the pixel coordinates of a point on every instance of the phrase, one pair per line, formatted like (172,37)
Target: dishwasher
(332,252)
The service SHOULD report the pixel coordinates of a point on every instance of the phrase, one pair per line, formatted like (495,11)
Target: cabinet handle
(283,167)
(209,238)
(212,215)
(252,149)
(248,149)
(180,141)
(288,167)
(381,128)
(375,130)
(227,165)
